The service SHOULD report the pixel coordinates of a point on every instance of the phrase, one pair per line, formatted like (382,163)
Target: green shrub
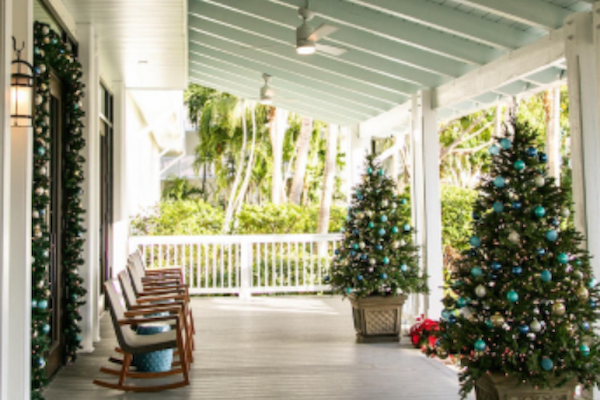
(457,204)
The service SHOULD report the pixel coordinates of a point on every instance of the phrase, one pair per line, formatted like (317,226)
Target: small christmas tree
(377,255)
(523,299)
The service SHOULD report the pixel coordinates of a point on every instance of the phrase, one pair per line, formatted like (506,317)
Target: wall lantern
(21,90)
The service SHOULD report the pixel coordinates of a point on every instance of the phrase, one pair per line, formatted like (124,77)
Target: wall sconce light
(22,86)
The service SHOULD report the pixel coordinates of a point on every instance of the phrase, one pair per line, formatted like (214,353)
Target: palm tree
(303,147)
(328,179)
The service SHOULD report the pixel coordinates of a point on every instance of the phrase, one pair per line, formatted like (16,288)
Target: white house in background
(407,66)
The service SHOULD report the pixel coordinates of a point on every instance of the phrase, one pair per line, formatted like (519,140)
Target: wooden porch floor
(277,348)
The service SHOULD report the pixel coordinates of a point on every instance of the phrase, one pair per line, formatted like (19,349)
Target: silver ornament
(535,326)
(565,212)
(369,213)
(372,261)
(480,291)
(362,245)
(514,237)
(384,203)
(531,336)
(35,214)
(45,31)
(539,181)
(395,244)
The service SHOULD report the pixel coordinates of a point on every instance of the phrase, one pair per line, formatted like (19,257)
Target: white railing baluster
(206,246)
(257,258)
(229,265)
(297,261)
(289,275)
(198,270)
(214,266)
(222,277)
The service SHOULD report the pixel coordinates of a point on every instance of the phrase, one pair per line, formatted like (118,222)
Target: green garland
(52,53)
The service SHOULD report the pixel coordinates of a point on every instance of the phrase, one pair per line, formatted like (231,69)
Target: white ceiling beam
(386,121)
(535,57)
(538,13)
(313,73)
(231,62)
(422,65)
(350,15)
(452,21)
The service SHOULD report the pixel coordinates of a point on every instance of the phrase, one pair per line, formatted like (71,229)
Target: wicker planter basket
(377,318)
(499,387)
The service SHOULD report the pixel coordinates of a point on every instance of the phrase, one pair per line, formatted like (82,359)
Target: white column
(19,275)
(425,199)
(91,189)
(553,134)
(584,106)
(5,62)
(358,148)
(120,245)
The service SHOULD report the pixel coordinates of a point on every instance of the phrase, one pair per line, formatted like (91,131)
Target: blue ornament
(505,144)
(359,277)
(363,256)
(371,225)
(45,328)
(494,150)
(512,296)
(347,218)
(498,207)
(591,283)
(348,290)
(446,313)
(496,266)
(475,216)
(41,151)
(586,326)
(42,212)
(543,157)
(327,278)
(563,258)
(386,260)
(356,231)
(37,70)
(381,172)
(357,192)
(555,221)
(395,229)
(592,304)
(379,247)
(404,268)
(584,349)
(54,41)
(355,246)
(383,276)
(42,304)
(403,201)
(462,302)
(337,251)
(406,228)
(457,284)
(78,338)
(452,319)
(36,50)
(516,205)
(499,182)
(541,252)
(476,272)
(41,362)
(523,328)
(352,253)
(381,232)
(552,235)
(532,152)
(74,296)
(493,277)
(369,170)
(475,241)
(384,218)
(546,276)
(34,303)
(480,345)
(539,211)
(517,270)
(519,165)
(547,364)
(360,197)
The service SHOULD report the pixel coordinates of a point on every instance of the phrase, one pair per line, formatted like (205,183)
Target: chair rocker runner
(132,344)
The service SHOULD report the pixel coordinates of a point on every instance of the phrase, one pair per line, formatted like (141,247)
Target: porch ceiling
(395,48)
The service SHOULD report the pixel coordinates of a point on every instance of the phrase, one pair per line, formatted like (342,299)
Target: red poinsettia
(421,333)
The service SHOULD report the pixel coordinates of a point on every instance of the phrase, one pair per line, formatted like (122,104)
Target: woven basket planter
(499,387)
(377,318)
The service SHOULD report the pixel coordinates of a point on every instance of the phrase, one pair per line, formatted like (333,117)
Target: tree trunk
(277,128)
(301,160)
(249,167)
(238,175)
(328,180)
(552,109)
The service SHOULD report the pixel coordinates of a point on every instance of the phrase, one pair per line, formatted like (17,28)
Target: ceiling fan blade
(263,46)
(336,51)
(322,31)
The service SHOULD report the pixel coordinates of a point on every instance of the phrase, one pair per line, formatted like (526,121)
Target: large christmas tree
(377,255)
(523,300)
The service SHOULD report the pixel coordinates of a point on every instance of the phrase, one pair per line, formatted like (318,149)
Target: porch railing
(244,264)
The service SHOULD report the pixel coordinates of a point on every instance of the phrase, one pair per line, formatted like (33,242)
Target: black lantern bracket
(22,90)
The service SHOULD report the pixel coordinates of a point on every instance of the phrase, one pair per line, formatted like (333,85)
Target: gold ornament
(497,320)
(559,309)
(582,293)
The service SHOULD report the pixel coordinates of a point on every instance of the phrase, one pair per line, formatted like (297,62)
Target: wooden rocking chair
(136,259)
(132,344)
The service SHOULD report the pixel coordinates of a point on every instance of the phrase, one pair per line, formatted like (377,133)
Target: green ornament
(519,165)
(539,211)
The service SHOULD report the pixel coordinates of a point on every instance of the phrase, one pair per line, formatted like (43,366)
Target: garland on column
(51,52)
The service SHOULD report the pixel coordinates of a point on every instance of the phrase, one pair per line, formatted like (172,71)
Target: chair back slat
(116,303)
(128,292)
(136,260)
(136,279)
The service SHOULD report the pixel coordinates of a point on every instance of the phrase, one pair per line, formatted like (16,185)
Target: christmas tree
(377,255)
(523,299)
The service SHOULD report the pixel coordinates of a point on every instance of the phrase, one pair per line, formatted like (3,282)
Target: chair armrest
(151,311)
(155,304)
(137,321)
(160,290)
(150,299)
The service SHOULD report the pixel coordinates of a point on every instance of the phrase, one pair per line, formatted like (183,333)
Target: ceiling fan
(307,37)
(267,93)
